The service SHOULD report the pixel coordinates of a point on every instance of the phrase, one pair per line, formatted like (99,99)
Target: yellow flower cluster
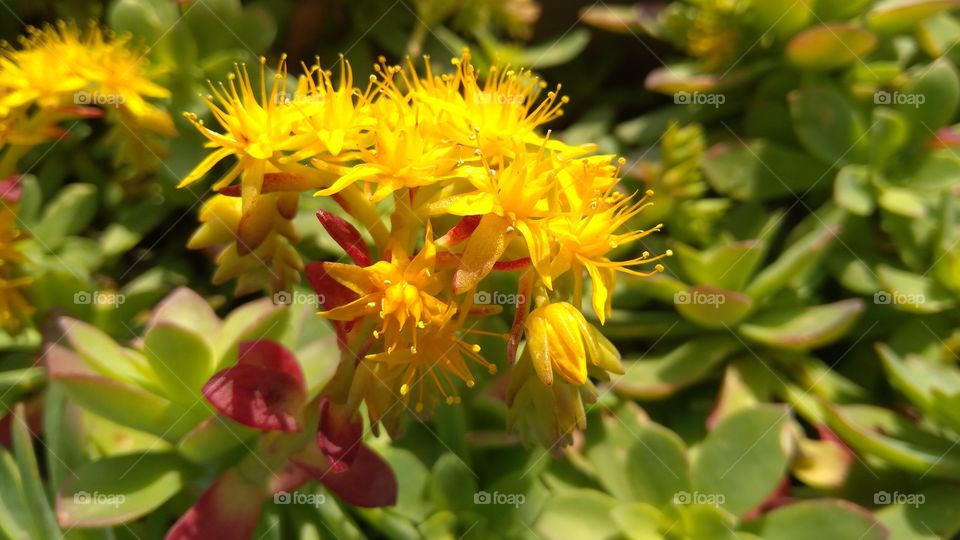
(63,73)
(455,152)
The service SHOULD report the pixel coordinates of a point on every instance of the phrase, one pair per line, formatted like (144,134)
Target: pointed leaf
(804,327)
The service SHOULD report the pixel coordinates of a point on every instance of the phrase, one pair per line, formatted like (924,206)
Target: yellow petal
(204,166)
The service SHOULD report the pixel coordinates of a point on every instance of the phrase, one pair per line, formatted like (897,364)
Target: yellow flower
(585,241)
(560,340)
(431,367)
(510,198)
(402,157)
(46,70)
(331,118)
(401,292)
(256,125)
(273,261)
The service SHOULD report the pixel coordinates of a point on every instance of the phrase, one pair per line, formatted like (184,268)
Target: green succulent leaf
(687,364)
(911,292)
(804,328)
(830,46)
(900,442)
(713,307)
(761,170)
(182,360)
(826,519)
(750,447)
(852,190)
(578,513)
(895,16)
(828,125)
(120,489)
(728,266)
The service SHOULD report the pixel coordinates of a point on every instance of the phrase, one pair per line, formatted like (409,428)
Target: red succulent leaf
(230,508)
(347,236)
(10,189)
(265,390)
(368,481)
(338,436)
(332,294)
(460,232)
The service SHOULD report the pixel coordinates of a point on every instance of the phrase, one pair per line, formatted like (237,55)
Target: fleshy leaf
(119,489)
(347,236)
(368,482)
(338,436)
(749,447)
(687,364)
(265,390)
(830,46)
(230,508)
(804,327)
(823,518)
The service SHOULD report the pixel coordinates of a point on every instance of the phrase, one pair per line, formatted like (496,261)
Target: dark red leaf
(229,509)
(368,482)
(265,390)
(347,236)
(332,294)
(272,356)
(338,437)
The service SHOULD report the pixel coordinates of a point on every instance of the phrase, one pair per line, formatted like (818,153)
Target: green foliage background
(800,348)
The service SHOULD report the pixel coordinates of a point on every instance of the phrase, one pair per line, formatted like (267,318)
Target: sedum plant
(211,396)
(454,152)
